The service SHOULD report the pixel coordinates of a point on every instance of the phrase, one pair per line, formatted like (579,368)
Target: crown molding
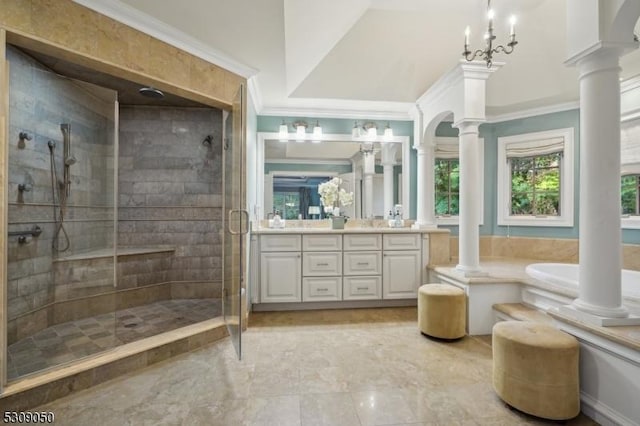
(355,110)
(630,84)
(549,109)
(255,94)
(141,21)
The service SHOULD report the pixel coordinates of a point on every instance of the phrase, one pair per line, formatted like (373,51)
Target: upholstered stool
(535,369)
(442,311)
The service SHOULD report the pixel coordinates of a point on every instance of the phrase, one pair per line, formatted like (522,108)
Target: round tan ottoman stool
(442,311)
(535,369)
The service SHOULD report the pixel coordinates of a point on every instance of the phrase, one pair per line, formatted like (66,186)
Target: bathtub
(565,275)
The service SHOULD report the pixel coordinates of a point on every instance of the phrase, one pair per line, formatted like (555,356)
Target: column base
(601,321)
(469,271)
(417,225)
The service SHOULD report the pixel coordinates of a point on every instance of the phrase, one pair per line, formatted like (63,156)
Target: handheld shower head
(70,161)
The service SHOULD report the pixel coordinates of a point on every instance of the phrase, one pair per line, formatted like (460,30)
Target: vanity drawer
(317,264)
(362,242)
(362,288)
(323,242)
(401,242)
(362,263)
(318,289)
(286,242)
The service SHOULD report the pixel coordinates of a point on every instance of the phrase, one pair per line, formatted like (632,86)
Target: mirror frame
(263,137)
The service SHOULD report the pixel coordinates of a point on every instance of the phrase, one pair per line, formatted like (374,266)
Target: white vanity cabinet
(280,268)
(350,268)
(401,266)
(321,267)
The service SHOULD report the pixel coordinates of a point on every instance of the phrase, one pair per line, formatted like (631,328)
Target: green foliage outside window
(447,182)
(287,203)
(630,188)
(535,185)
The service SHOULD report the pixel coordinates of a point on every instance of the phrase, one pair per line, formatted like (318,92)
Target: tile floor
(75,339)
(352,367)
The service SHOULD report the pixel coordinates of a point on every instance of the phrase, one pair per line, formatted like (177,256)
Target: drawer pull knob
(362,288)
(323,264)
(363,263)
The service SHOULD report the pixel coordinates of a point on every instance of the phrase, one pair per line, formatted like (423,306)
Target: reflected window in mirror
(296,197)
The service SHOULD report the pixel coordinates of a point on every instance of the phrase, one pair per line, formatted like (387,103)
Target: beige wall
(550,249)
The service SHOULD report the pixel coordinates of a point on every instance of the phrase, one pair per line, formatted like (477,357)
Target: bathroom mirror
(289,172)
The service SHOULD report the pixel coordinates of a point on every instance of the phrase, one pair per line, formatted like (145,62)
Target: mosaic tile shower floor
(340,368)
(75,339)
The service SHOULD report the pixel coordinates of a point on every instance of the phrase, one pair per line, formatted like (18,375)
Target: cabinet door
(400,274)
(280,277)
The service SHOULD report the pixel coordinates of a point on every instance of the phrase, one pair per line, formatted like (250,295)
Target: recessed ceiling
(370,54)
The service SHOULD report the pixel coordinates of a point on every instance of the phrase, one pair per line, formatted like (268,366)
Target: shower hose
(62,198)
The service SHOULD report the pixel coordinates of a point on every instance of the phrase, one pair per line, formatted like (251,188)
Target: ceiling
(378,56)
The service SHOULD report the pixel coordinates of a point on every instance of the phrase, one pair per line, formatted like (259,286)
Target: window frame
(455,220)
(631,221)
(567,189)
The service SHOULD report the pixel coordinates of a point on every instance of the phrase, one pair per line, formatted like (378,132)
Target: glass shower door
(235,219)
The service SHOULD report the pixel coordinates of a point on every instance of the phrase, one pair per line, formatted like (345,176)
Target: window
(630,171)
(630,194)
(447,181)
(535,179)
(535,185)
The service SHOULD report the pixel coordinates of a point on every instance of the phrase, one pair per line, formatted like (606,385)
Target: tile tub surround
(340,370)
(561,250)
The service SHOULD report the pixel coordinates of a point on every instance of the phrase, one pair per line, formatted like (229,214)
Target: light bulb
(300,132)
(317,131)
(512,21)
(388,133)
(284,132)
(491,14)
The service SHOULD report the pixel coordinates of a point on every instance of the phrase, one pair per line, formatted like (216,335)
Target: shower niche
(114,213)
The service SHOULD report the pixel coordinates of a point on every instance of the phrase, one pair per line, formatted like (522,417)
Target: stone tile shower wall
(39,102)
(170,196)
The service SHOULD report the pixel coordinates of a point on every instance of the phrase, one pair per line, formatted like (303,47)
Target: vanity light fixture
(371,130)
(368,130)
(283,133)
(300,129)
(489,50)
(317,132)
(388,132)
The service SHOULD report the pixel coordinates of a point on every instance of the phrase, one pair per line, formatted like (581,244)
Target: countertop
(327,230)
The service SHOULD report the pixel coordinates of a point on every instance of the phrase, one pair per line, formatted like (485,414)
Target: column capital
(600,60)
(467,126)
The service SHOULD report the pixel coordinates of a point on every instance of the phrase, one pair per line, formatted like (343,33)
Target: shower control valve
(25,187)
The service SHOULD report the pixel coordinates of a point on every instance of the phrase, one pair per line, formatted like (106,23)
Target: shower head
(151,92)
(69,161)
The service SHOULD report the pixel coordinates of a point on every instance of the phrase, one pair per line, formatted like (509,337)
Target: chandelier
(489,50)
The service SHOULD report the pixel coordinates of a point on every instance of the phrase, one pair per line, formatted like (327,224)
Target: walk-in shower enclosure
(114,214)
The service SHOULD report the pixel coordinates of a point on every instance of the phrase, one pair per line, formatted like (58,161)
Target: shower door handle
(241,231)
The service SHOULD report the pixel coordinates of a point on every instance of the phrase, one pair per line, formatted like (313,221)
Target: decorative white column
(470,193)
(388,161)
(425,194)
(368,169)
(599,293)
